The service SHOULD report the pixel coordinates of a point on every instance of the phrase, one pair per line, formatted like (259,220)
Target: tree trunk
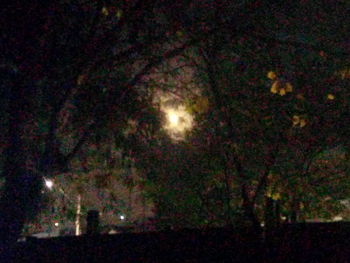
(249,211)
(227,199)
(19,201)
(269,214)
(294,211)
(22,189)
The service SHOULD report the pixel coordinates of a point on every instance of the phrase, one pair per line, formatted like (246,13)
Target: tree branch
(315,47)
(80,143)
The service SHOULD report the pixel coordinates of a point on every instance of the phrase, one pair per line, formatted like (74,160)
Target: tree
(65,61)
(79,61)
(263,100)
(101,178)
(257,120)
(316,189)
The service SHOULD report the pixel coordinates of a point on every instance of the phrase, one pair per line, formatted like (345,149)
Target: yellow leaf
(289,87)
(105,11)
(273,90)
(295,119)
(282,92)
(344,73)
(302,123)
(330,97)
(275,86)
(276,196)
(271,75)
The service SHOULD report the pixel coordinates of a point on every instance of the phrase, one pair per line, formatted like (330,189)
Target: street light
(49,183)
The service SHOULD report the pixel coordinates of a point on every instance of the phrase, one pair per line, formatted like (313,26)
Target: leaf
(289,87)
(276,196)
(344,73)
(295,120)
(275,86)
(302,123)
(282,92)
(104,11)
(330,97)
(273,90)
(272,75)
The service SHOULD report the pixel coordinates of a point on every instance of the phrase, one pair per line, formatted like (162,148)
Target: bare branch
(315,47)
(80,142)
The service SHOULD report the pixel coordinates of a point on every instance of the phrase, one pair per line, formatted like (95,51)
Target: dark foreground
(292,243)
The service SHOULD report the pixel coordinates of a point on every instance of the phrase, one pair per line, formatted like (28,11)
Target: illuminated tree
(68,70)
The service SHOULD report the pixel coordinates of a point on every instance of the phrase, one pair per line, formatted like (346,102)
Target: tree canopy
(267,85)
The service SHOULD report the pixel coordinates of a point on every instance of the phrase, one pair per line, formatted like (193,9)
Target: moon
(177,120)
(173,118)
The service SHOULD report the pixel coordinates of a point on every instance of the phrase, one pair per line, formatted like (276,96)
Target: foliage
(256,119)
(72,70)
(270,77)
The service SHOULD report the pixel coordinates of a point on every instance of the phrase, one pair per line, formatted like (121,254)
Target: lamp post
(77,218)
(50,184)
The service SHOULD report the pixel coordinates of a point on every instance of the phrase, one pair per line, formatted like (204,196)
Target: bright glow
(112,232)
(173,118)
(48,183)
(56,224)
(337,218)
(122,217)
(178,121)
